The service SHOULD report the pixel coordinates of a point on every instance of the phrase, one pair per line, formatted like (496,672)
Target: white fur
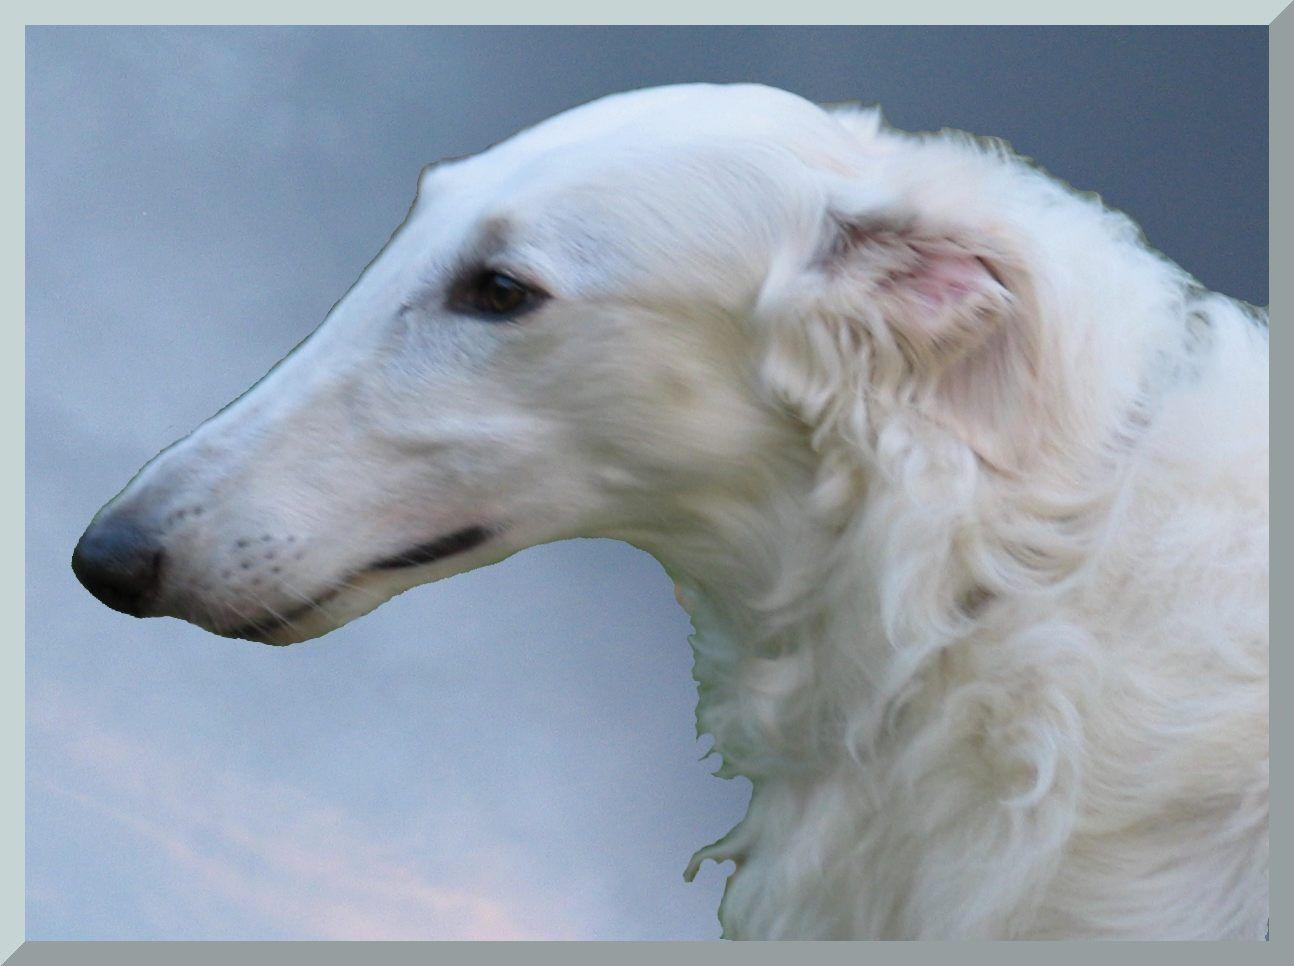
(965,488)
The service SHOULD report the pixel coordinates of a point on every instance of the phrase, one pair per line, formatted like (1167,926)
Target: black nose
(118,561)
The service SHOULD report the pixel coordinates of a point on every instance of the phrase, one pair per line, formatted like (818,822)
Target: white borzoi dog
(965,489)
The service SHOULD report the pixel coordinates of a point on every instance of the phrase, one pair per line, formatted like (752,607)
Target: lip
(449,545)
(257,630)
(460,541)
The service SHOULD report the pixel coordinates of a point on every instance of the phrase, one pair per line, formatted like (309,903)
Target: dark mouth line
(459,541)
(266,625)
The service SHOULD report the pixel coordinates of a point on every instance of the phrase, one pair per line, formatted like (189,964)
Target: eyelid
(520,276)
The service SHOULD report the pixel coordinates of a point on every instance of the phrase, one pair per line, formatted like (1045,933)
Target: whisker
(279,619)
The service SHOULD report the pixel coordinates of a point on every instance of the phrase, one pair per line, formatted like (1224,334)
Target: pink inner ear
(946,278)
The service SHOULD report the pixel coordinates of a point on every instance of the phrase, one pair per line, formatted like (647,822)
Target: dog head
(630,312)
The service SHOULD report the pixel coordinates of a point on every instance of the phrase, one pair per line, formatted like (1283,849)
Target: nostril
(119,562)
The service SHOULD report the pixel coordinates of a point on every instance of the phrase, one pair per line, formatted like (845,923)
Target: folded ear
(938,295)
(896,319)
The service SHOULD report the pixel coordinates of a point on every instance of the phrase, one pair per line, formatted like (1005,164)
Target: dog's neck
(786,625)
(813,625)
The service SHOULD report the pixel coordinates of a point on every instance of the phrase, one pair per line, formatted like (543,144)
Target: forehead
(667,168)
(686,114)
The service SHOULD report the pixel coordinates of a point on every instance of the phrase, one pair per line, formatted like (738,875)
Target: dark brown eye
(494,294)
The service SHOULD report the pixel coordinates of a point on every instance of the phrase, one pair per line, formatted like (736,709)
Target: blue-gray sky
(510,752)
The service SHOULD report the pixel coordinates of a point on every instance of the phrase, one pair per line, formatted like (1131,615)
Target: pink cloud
(304,866)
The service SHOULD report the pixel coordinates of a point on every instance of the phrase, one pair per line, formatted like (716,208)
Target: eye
(494,294)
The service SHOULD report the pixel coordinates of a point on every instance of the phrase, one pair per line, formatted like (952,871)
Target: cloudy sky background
(510,753)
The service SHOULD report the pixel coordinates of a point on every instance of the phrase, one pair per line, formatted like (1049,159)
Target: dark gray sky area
(510,752)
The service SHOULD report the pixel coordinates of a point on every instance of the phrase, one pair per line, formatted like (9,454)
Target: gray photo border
(12,832)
